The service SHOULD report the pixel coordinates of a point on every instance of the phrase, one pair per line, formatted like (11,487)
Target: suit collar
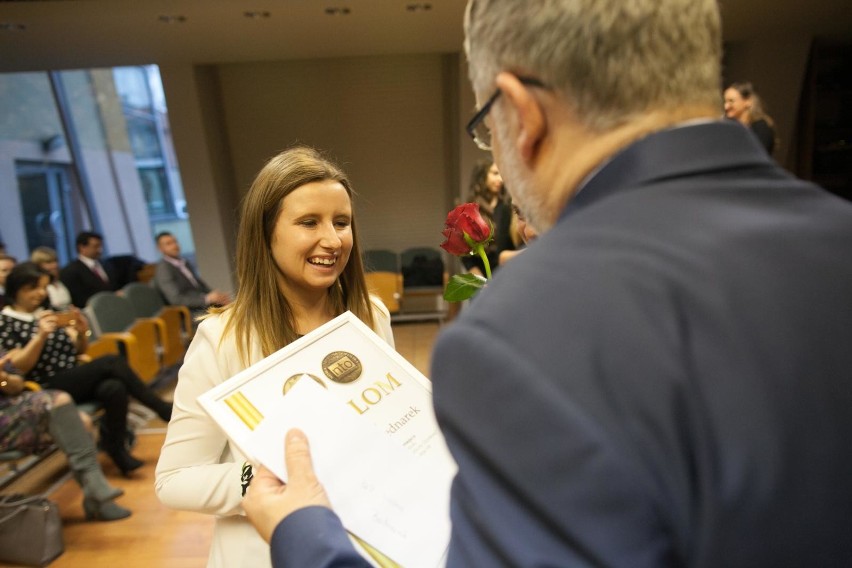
(683,150)
(177,262)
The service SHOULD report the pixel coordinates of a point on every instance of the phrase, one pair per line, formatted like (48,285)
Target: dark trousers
(107,380)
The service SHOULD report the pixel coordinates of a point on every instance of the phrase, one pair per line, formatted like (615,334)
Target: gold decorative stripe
(244,409)
(380,558)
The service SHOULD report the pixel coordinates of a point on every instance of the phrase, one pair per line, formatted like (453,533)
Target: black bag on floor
(30,530)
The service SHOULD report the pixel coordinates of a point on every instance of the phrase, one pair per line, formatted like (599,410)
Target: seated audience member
(7,263)
(743,105)
(58,295)
(85,276)
(45,349)
(31,421)
(179,283)
(663,378)
(123,269)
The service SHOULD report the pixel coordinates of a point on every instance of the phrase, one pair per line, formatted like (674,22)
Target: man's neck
(578,152)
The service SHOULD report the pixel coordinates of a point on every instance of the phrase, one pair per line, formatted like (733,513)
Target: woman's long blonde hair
(260,311)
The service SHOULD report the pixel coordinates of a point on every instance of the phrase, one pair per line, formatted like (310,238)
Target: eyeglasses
(478,130)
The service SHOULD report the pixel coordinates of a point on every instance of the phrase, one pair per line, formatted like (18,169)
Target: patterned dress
(24,421)
(59,352)
(24,417)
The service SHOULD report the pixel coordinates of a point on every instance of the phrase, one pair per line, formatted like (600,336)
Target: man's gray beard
(531,202)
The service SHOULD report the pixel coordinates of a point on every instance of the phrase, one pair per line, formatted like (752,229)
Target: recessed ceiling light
(418,7)
(256,14)
(337,11)
(12,27)
(167,19)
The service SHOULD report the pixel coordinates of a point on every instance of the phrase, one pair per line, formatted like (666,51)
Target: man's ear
(532,123)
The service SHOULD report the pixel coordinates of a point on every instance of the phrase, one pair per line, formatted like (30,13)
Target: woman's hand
(47,324)
(80,323)
(10,385)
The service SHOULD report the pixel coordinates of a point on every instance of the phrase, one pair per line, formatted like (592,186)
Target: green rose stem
(479,248)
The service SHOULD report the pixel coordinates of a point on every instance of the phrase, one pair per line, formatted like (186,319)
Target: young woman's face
(31,296)
(735,105)
(312,238)
(493,180)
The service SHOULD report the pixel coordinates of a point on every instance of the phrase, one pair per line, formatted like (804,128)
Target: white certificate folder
(374,439)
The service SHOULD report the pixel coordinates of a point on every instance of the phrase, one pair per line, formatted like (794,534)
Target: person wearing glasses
(650,384)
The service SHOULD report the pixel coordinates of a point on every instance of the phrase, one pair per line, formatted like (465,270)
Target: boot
(71,437)
(117,451)
(114,425)
(104,510)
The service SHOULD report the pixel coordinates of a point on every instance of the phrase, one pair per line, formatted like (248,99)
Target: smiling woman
(312,240)
(298,266)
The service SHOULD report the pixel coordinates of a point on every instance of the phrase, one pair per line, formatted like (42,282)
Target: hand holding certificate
(376,446)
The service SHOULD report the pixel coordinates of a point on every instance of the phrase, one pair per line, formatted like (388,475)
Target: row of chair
(136,322)
(401,280)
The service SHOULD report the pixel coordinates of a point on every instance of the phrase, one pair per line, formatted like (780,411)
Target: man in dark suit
(85,276)
(179,283)
(663,377)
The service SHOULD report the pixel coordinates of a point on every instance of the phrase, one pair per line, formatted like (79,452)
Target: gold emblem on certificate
(288,384)
(341,367)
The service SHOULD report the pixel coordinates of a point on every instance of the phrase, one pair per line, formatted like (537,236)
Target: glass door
(51,208)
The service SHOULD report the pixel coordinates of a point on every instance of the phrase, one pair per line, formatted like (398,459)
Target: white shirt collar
(90,262)
(23,316)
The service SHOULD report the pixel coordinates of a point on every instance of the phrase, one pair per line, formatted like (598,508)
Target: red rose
(465,220)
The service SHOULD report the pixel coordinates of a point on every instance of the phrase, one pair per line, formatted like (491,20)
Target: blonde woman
(298,266)
(57,294)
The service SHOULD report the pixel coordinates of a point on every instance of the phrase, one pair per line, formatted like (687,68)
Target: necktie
(99,270)
(184,268)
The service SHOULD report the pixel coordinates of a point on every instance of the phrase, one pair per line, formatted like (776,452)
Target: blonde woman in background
(298,266)
(743,105)
(57,294)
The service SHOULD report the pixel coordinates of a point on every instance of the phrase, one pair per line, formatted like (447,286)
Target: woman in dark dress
(487,190)
(45,348)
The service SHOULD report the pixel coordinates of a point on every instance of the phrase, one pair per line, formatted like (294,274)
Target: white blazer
(199,468)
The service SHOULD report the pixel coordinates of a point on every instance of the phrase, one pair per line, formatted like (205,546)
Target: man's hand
(215,297)
(269,500)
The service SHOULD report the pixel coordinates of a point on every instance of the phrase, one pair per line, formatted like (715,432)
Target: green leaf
(463,286)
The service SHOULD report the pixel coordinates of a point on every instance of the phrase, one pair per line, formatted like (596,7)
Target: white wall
(211,198)
(381,118)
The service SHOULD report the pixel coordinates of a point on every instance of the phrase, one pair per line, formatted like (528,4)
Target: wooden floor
(155,536)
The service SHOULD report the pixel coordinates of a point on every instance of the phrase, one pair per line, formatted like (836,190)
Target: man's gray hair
(612,60)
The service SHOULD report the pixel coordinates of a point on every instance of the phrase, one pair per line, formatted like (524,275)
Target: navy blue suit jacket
(665,377)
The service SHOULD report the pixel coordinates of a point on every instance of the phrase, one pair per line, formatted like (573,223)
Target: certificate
(368,415)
